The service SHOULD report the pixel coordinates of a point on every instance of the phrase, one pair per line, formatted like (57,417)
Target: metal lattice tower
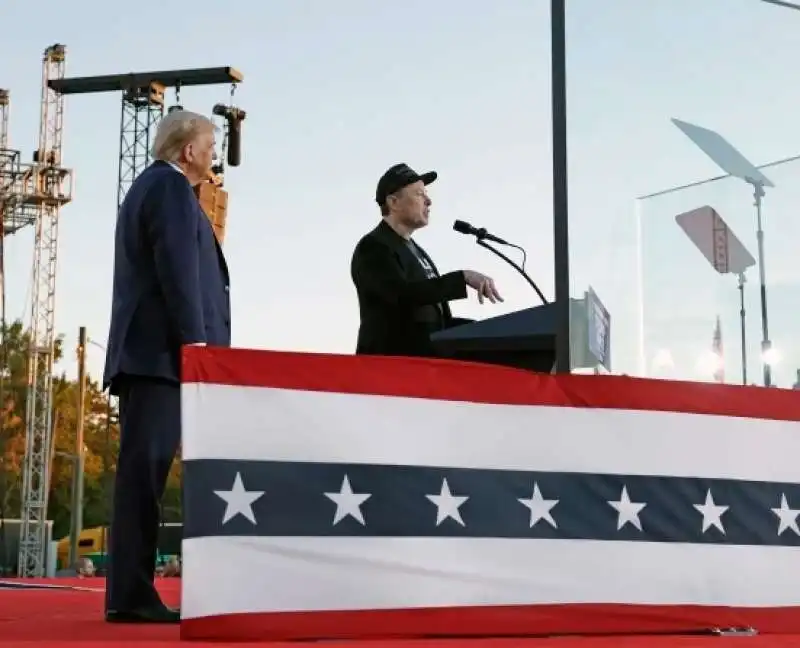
(142,109)
(44,187)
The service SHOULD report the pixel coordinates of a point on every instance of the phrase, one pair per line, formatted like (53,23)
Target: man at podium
(402,297)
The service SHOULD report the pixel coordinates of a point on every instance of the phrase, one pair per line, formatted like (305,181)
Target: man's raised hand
(483,285)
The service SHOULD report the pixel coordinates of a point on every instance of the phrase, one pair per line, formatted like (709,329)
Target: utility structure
(33,194)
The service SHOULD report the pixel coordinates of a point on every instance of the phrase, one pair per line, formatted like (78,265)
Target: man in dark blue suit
(171,289)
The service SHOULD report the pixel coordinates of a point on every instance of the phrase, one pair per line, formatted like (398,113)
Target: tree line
(101,441)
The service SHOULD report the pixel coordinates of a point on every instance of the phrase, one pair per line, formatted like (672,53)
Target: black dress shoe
(150,614)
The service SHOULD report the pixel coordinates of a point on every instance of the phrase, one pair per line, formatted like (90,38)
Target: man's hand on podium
(483,285)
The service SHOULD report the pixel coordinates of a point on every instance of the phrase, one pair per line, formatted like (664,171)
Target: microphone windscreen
(462,227)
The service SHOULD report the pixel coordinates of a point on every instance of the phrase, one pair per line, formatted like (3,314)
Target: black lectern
(524,339)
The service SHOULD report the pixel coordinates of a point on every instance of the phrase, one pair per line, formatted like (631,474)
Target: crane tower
(35,195)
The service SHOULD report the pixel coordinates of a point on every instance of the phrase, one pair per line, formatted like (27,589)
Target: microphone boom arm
(514,265)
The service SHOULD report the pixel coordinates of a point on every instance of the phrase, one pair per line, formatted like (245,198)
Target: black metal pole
(106,485)
(766,344)
(558,55)
(76,519)
(742,322)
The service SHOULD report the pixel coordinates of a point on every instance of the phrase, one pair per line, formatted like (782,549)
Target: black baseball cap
(399,176)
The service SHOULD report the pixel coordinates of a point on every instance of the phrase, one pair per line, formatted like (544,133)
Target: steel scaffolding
(39,190)
(142,109)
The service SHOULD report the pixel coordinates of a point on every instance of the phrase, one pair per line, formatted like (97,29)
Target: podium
(526,339)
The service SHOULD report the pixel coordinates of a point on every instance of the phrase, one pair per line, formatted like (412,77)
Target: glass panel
(633,69)
(684,291)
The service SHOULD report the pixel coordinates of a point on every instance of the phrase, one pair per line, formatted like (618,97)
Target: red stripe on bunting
(478,383)
(489,621)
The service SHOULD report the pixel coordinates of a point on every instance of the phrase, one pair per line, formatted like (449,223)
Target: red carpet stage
(69,614)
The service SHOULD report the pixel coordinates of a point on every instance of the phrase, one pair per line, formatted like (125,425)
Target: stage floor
(69,614)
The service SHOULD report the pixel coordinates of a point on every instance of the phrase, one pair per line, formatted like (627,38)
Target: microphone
(462,227)
(481,236)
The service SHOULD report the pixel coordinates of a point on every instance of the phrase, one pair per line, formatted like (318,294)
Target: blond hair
(176,130)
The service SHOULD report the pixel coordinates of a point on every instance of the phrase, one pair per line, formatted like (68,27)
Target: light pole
(76,519)
(558,76)
(106,461)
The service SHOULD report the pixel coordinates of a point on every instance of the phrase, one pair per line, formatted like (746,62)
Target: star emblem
(347,502)
(787,517)
(539,507)
(712,513)
(628,511)
(238,501)
(447,504)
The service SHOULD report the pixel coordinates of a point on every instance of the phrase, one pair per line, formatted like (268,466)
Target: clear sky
(338,91)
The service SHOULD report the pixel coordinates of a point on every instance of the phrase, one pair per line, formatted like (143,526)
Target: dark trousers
(150,432)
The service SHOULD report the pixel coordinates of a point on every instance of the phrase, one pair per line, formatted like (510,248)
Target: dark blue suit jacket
(171,284)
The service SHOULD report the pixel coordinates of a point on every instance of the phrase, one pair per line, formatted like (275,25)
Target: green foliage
(101,441)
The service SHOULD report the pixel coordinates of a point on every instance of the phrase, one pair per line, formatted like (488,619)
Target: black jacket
(399,306)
